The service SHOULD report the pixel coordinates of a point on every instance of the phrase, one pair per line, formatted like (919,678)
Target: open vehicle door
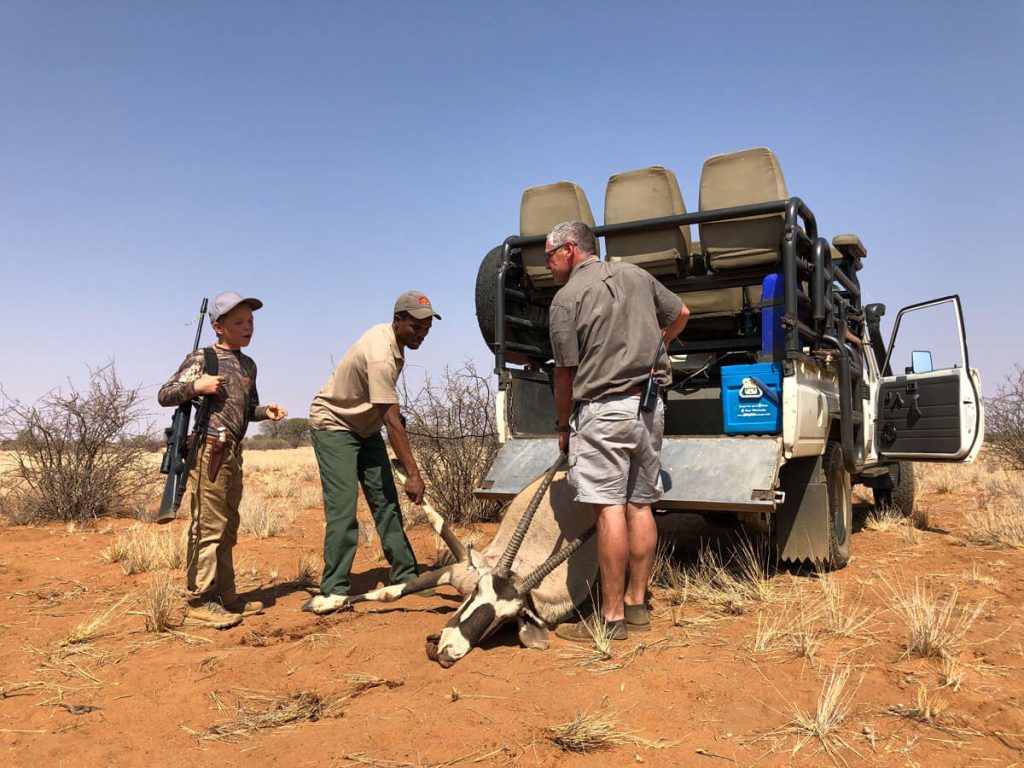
(931,410)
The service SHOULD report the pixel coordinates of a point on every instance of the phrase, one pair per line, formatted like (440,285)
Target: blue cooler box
(752,399)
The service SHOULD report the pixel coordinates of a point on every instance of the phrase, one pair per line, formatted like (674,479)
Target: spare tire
(486,288)
(486,310)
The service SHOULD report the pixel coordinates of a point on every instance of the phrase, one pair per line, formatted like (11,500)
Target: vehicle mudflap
(801,521)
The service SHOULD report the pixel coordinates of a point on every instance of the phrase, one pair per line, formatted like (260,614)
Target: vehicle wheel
(901,497)
(840,506)
(486,309)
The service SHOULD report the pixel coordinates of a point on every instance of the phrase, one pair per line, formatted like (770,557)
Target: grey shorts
(614,456)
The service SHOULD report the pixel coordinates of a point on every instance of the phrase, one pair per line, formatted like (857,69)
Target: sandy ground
(717,682)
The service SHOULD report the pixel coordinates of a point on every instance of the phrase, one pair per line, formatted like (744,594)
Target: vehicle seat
(647,193)
(742,178)
(707,305)
(541,209)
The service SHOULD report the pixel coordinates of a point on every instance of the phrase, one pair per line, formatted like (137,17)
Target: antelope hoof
(322,605)
(532,636)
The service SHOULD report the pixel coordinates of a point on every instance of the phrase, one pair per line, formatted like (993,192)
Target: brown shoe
(245,607)
(210,614)
(638,619)
(580,632)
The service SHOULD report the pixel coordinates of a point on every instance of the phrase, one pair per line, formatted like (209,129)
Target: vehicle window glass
(934,329)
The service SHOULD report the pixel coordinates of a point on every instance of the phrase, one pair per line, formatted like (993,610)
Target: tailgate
(700,473)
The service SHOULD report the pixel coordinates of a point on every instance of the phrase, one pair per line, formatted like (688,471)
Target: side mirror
(921,361)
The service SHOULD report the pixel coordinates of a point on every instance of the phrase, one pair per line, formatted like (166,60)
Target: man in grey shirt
(605,324)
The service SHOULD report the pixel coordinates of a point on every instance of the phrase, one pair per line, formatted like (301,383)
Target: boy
(216,479)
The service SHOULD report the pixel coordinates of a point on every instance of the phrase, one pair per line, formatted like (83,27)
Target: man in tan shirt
(346,418)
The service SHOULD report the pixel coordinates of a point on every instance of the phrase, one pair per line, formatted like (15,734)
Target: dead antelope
(525,573)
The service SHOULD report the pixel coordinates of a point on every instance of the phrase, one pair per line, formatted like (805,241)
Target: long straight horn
(504,567)
(554,561)
(440,526)
(437,522)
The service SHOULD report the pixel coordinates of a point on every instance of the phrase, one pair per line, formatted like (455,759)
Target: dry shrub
(935,627)
(143,548)
(594,731)
(998,517)
(451,424)
(1004,420)
(73,455)
(260,518)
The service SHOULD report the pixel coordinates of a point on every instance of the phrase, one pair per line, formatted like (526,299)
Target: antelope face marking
(494,601)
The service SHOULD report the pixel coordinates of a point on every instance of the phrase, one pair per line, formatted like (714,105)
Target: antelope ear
(432,643)
(533,635)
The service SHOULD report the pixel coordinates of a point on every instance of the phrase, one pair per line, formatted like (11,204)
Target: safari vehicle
(784,392)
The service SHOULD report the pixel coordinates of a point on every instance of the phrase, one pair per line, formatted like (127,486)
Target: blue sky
(327,156)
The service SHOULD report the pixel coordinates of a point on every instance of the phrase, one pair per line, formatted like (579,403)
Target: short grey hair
(576,232)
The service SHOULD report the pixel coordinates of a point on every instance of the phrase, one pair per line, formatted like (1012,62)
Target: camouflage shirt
(237,403)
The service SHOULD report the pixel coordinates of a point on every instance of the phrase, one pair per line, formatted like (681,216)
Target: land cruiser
(784,393)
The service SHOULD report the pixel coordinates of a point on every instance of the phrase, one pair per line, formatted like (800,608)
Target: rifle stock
(179,453)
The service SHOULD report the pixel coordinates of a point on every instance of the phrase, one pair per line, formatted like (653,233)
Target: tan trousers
(213,531)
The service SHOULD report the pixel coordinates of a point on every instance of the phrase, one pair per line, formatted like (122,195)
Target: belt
(631,393)
(229,442)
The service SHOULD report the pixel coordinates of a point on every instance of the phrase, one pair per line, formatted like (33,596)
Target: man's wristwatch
(560,428)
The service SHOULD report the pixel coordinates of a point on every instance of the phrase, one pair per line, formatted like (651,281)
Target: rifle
(180,454)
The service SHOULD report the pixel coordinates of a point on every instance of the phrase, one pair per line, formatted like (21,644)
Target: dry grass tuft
(161,600)
(259,712)
(306,572)
(728,584)
(599,651)
(952,673)
(261,519)
(87,631)
(825,723)
(361,683)
(927,709)
(594,731)
(143,548)
(998,518)
(976,578)
(769,630)
(309,497)
(843,618)
(885,519)
(804,640)
(943,480)
(935,627)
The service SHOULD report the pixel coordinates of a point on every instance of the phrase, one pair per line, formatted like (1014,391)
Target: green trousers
(346,459)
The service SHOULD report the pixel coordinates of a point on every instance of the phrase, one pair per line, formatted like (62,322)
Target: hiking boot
(322,605)
(638,619)
(580,632)
(245,607)
(211,614)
